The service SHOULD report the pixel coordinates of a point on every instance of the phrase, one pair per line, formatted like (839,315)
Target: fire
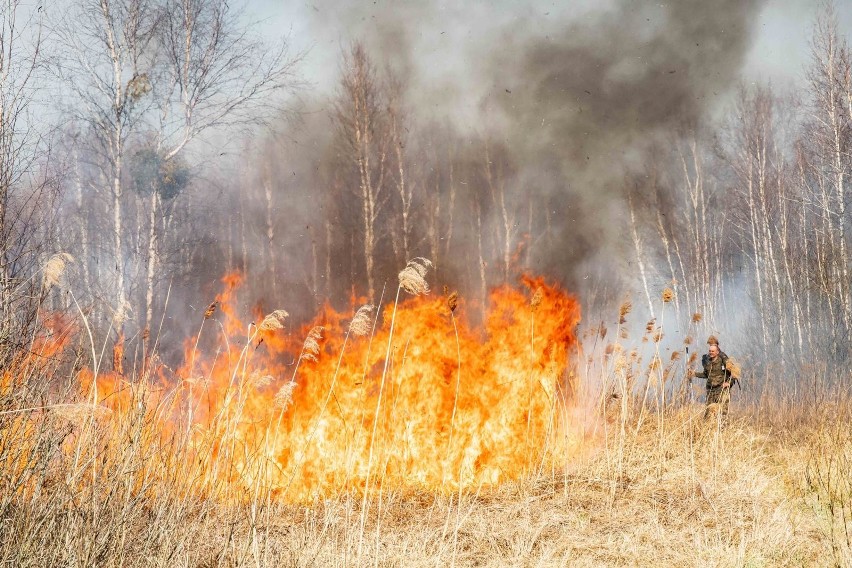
(423,402)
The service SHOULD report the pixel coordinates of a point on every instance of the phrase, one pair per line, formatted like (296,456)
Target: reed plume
(54,268)
(284,397)
(453,301)
(311,348)
(734,367)
(655,363)
(273,321)
(412,279)
(361,324)
(208,313)
(258,380)
(78,412)
(537,298)
(120,314)
(668,295)
(624,310)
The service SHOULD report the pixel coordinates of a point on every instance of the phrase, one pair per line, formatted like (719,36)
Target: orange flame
(450,407)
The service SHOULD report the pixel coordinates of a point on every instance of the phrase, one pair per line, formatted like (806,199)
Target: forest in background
(180,152)
(156,155)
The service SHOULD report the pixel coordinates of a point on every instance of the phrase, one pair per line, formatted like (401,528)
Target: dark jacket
(716,372)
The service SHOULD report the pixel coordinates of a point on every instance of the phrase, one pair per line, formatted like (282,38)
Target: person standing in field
(720,375)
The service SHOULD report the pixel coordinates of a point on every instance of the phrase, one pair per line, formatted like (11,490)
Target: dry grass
(650,483)
(694,495)
(723,504)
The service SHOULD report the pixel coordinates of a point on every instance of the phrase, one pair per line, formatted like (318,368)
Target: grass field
(756,493)
(121,471)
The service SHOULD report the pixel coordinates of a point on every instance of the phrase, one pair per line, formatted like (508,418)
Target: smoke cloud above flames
(577,92)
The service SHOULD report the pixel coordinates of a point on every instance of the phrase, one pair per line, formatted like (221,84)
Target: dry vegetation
(650,483)
(631,474)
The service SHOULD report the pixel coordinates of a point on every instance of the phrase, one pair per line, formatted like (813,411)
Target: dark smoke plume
(597,92)
(578,95)
(585,103)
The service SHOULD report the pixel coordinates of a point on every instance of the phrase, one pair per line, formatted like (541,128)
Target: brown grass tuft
(696,317)
(453,301)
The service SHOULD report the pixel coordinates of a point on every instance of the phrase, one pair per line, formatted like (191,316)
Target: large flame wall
(451,405)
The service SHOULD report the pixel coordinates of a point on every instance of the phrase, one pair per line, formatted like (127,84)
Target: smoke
(598,92)
(586,104)
(578,95)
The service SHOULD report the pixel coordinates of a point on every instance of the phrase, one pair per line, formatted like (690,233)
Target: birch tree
(103,64)
(830,133)
(160,74)
(363,131)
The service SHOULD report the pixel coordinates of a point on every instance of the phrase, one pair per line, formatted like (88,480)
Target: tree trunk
(270,231)
(121,295)
(153,259)
(640,260)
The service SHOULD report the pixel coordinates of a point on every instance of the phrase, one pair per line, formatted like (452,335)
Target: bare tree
(26,188)
(104,44)
(362,125)
(212,74)
(156,75)
(404,184)
(216,73)
(496,172)
(830,132)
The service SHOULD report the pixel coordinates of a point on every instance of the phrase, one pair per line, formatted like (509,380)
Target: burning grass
(737,497)
(426,445)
